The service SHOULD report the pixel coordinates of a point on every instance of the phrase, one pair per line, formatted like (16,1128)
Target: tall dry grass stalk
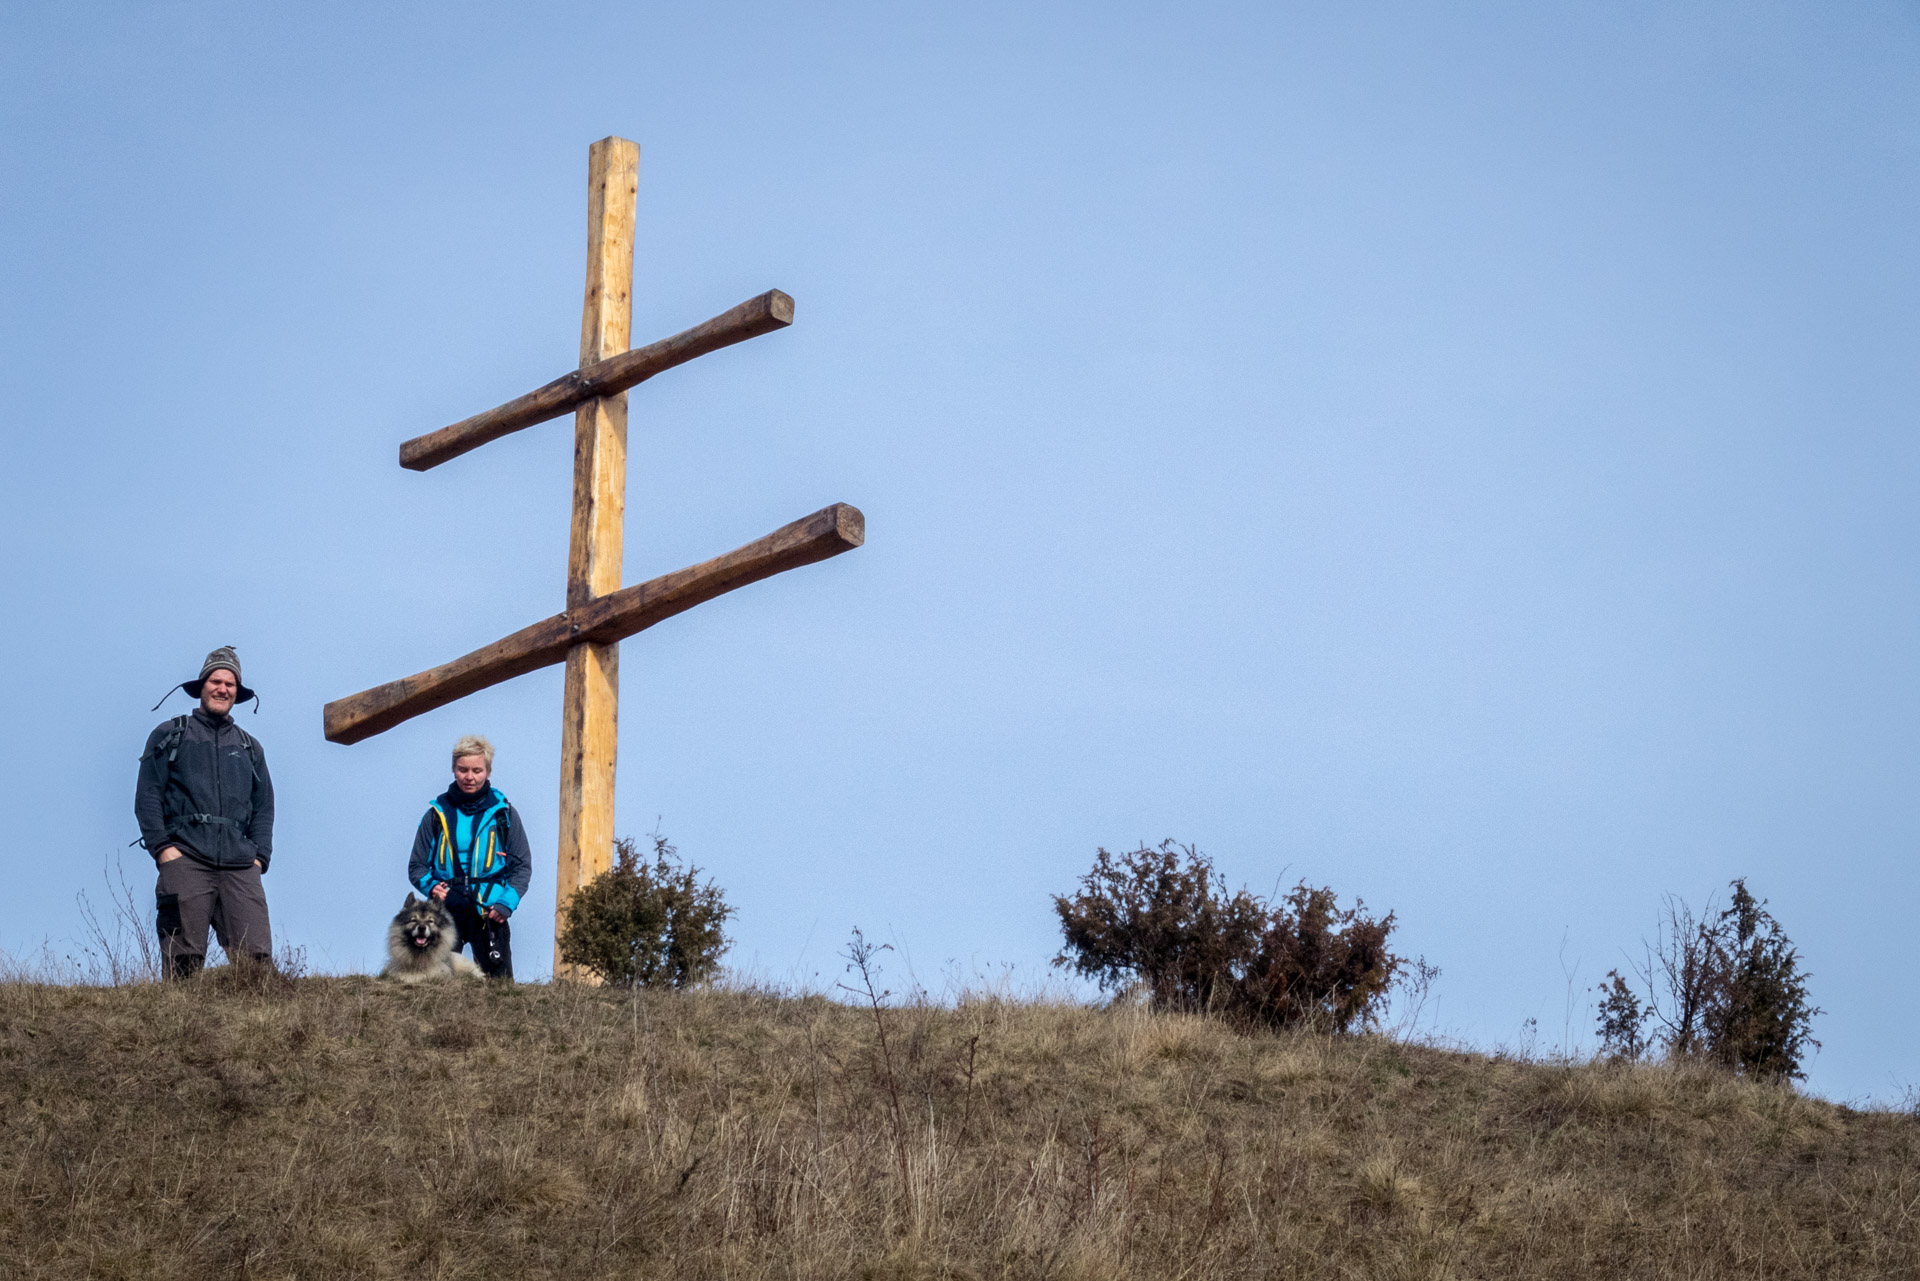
(333,1128)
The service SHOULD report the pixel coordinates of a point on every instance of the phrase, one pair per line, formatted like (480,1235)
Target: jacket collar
(453,799)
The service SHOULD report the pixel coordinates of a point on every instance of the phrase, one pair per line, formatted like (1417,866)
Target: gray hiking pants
(191,896)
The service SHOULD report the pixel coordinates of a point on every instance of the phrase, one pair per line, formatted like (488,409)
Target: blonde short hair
(473,745)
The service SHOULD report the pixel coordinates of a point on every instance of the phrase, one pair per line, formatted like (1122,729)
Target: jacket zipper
(219,802)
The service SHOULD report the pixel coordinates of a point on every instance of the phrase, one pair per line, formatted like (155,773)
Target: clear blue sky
(1462,454)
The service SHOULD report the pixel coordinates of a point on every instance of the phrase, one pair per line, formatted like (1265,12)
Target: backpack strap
(256,758)
(168,747)
(163,753)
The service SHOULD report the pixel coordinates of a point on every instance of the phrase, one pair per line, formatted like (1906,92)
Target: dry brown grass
(345,1128)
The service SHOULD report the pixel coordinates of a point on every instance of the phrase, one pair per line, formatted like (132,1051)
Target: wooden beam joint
(770,311)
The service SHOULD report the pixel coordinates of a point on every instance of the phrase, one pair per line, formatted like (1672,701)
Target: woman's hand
(439,892)
(169,853)
(495,915)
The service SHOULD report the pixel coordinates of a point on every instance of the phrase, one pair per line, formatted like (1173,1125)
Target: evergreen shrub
(646,923)
(1725,987)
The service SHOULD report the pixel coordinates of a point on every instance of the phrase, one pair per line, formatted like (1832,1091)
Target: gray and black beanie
(222,657)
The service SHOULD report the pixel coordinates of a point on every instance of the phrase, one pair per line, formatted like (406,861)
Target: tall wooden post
(591,708)
(600,613)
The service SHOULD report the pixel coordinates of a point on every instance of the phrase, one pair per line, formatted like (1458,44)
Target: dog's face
(422,923)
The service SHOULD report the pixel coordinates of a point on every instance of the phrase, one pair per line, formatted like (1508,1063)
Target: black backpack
(169,747)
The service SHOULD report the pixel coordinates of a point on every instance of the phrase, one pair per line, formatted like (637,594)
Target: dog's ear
(411,901)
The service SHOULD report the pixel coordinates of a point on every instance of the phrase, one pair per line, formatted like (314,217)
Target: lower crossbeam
(612,617)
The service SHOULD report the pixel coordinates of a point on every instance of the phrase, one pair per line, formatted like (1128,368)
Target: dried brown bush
(1156,917)
(1319,965)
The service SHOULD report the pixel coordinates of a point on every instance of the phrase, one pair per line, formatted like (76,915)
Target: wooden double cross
(599,613)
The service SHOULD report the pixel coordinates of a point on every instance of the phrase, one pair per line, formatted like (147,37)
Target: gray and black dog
(420,945)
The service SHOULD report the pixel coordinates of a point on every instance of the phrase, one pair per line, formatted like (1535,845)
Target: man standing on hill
(204,802)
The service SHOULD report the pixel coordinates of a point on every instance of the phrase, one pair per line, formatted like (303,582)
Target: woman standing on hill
(470,855)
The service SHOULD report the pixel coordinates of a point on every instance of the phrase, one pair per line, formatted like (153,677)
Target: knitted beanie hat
(222,657)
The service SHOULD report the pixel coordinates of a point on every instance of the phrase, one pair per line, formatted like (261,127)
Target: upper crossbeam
(770,311)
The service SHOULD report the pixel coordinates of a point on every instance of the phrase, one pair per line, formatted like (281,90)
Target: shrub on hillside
(1761,1021)
(1623,1019)
(1319,965)
(1725,987)
(646,924)
(1156,917)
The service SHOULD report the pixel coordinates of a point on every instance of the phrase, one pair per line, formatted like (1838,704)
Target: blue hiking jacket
(484,857)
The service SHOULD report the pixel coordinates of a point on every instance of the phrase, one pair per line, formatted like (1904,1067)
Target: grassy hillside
(346,1128)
